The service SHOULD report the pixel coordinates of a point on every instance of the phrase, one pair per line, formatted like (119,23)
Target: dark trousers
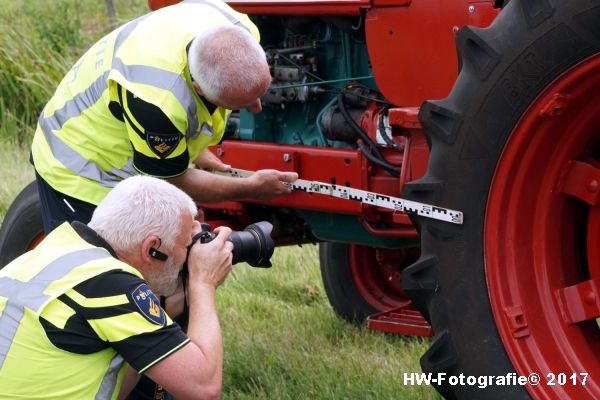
(57,207)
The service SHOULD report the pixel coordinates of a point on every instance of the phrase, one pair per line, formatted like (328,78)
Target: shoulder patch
(148,304)
(162,144)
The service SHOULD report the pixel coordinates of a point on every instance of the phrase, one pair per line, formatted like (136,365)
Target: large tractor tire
(361,281)
(22,228)
(515,146)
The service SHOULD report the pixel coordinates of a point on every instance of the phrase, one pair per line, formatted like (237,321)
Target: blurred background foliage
(41,39)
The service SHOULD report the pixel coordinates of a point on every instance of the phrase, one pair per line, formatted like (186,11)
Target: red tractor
(510,290)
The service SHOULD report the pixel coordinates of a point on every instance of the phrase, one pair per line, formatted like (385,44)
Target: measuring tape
(362,196)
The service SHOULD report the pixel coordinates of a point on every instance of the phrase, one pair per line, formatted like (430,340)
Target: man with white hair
(83,305)
(149,98)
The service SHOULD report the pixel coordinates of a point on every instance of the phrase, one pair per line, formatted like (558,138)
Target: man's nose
(196,227)
(255,107)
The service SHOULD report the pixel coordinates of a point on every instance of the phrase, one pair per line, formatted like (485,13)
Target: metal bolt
(590,298)
(471,9)
(286,157)
(455,29)
(220,152)
(592,186)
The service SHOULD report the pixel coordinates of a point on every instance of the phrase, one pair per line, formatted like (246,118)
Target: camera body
(253,245)
(205,235)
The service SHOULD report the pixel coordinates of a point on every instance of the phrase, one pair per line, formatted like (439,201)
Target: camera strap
(362,196)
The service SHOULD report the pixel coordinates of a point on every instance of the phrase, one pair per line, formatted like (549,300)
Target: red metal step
(403,320)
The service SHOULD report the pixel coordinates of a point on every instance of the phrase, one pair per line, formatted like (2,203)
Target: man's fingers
(222,167)
(288,176)
(223,232)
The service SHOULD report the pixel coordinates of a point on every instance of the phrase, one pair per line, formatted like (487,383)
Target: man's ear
(150,251)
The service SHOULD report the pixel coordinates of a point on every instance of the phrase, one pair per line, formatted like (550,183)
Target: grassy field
(282,339)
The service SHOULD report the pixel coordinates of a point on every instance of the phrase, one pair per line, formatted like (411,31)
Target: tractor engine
(323,104)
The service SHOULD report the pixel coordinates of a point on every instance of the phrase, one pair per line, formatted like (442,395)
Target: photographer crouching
(84,304)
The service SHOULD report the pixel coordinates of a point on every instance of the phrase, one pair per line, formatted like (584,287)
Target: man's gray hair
(138,207)
(224,59)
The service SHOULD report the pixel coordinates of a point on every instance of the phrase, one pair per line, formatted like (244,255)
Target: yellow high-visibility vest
(31,366)
(80,148)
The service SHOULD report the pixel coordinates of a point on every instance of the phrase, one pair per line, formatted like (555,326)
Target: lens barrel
(253,245)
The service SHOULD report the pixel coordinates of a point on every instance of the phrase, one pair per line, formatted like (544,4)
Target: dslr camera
(253,245)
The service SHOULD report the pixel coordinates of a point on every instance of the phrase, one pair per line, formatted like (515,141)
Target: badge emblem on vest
(148,304)
(162,144)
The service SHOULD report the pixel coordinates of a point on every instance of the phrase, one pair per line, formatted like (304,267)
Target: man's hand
(210,263)
(269,183)
(199,364)
(207,160)
(205,187)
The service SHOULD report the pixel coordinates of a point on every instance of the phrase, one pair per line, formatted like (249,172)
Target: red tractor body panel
(412,46)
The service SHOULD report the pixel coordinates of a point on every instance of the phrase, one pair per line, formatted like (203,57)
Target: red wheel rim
(36,240)
(542,254)
(377,274)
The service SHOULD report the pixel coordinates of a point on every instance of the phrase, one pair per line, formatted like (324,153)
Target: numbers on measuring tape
(362,196)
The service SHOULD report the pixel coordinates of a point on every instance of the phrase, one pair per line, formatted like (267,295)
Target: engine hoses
(374,155)
(384,164)
(387,139)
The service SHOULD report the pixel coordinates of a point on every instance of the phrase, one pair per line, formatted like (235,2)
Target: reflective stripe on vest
(142,74)
(230,17)
(30,294)
(70,158)
(107,386)
(157,77)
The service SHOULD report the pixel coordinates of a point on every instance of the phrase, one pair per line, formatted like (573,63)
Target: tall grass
(15,173)
(29,74)
(282,339)
(40,42)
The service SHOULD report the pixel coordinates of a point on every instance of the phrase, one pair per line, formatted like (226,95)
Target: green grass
(282,339)
(15,170)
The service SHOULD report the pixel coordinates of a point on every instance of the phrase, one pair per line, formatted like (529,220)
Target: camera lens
(253,245)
